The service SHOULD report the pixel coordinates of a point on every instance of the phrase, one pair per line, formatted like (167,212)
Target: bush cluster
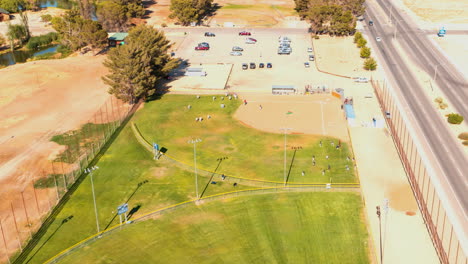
(42,40)
(441,103)
(454,118)
(369,64)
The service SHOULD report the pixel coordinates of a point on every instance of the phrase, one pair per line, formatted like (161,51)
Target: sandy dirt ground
(259,13)
(36,25)
(380,170)
(442,12)
(344,53)
(40,99)
(216,77)
(317,114)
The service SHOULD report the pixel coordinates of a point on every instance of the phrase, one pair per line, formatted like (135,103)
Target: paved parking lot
(287,69)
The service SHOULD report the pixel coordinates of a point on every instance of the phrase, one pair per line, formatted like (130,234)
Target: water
(64,4)
(19,56)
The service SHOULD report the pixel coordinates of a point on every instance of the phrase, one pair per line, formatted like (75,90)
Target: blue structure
(349,110)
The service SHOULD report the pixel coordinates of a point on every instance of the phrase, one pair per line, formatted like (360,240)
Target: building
(116,39)
(4,15)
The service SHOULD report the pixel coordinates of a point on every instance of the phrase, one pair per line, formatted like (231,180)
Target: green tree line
(187,11)
(334,17)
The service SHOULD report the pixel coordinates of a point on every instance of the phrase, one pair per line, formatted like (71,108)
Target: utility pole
(194,142)
(90,171)
(435,71)
(380,233)
(285,133)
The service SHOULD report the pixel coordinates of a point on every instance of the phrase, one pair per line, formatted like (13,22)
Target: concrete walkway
(405,238)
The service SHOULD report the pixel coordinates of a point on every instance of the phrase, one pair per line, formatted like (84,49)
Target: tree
(365,52)
(46,18)
(357,36)
(2,40)
(135,68)
(115,15)
(11,5)
(361,43)
(16,33)
(76,32)
(370,64)
(187,11)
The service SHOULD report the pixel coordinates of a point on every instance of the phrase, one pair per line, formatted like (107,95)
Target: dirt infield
(306,114)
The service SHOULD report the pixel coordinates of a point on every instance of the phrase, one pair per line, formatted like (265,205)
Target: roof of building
(119,36)
(3,11)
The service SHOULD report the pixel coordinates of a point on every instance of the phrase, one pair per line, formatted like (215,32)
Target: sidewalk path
(405,238)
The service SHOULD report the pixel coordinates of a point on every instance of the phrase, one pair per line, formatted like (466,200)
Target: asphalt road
(451,158)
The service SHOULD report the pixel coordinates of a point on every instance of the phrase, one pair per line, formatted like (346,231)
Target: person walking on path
(245,102)
(260,107)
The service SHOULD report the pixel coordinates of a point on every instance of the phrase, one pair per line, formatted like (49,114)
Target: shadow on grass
(129,198)
(45,242)
(291,165)
(212,175)
(58,208)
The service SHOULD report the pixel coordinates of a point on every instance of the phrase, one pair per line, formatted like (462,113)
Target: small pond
(19,56)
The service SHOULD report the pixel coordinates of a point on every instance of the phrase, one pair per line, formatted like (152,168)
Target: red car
(244,33)
(202,48)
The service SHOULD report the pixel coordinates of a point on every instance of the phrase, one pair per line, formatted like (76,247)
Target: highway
(446,149)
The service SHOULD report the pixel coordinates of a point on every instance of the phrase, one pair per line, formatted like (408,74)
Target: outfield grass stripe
(141,139)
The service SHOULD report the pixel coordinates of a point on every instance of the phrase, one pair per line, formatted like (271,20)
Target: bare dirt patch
(310,114)
(159,172)
(36,25)
(447,11)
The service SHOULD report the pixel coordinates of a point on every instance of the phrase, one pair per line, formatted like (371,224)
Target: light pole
(285,133)
(194,142)
(90,171)
(380,232)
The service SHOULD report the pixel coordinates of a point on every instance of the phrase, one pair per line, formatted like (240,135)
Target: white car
(250,41)
(378,39)
(310,50)
(306,64)
(236,53)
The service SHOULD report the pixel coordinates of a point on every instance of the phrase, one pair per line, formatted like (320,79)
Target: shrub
(454,118)
(316,37)
(46,18)
(463,136)
(370,64)
(465,142)
(361,43)
(42,40)
(357,36)
(365,52)
(163,25)
(443,106)
(439,100)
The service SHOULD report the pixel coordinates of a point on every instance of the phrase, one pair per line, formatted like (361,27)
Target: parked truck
(442,32)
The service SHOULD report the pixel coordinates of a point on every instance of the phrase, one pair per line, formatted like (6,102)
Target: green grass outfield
(267,228)
(126,163)
(251,153)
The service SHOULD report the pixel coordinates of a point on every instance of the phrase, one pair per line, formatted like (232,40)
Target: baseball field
(274,227)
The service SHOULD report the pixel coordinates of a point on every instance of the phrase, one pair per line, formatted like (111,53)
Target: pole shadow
(291,165)
(212,175)
(130,197)
(47,240)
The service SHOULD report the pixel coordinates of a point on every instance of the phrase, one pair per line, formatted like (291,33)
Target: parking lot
(286,70)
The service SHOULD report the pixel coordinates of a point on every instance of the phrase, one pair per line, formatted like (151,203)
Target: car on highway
(236,53)
(236,48)
(250,41)
(310,50)
(378,39)
(202,48)
(244,33)
(252,65)
(371,23)
(245,66)
(311,57)
(269,65)
(306,64)
(261,65)
(210,34)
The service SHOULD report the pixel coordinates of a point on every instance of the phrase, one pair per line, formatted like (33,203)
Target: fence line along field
(128,173)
